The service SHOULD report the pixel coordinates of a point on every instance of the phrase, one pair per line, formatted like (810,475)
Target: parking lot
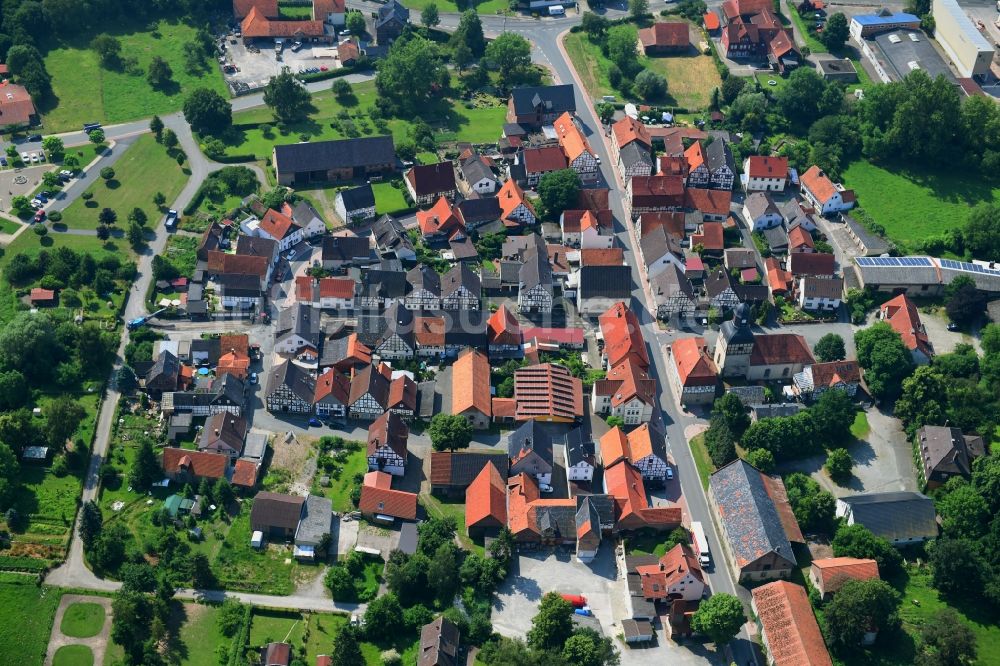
(16,182)
(535,574)
(254,69)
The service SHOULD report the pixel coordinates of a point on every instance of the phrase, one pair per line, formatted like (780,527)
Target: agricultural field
(28,611)
(85,92)
(131,187)
(335,118)
(916,204)
(690,78)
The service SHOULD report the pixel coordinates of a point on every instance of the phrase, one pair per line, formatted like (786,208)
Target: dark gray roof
(670,282)
(389,233)
(777,238)
(302,320)
(383,283)
(553,99)
(304,212)
(605,505)
(337,154)
(748,395)
(475,170)
(239,285)
(946,450)
(346,248)
(514,129)
(752,293)
(717,281)
(536,268)
(166,366)
(752,524)
(718,155)
(873,243)
(479,211)
(464,250)
(426,397)
(399,320)
(465,328)
(894,515)
(460,276)
(432,178)
(408,538)
(316,520)
(774,410)
(633,154)
(737,330)
(605,282)
(532,436)
(586,512)
(230,388)
(578,447)
(257,246)
(295,378)
(357,198)
(371,329)
(392,11)
(424,277)
(255,446)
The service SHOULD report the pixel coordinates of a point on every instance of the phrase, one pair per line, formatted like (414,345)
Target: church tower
(735,344)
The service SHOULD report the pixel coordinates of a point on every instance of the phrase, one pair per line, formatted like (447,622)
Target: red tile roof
(540,160)
(835,372)
(778,279)
(819,184)
(711,20)
(470,383)
(332,383)
(694,155)
(798,237)
(694,365)
(268,8)
(334,287)
(486,498)
(765,166)
(672,33)
(429,331)
(709,202)
(624,482)
(323,7)
(614,447)
(237,264)
(787,620)
(611,256)
(198,463)
(504,408)
(503,328)
(780,349)
(39,295)
(245,473)
(833,572)
(377,497)
(256,25)
(671,222)
(711,237)
(622,336)
(402,393)
(672,568)
(16,107)
(570,137)
(510,197)
(348,51)
(812,263)
(277,225)
(627,381)
(440,218)
(629,129)
(902,315)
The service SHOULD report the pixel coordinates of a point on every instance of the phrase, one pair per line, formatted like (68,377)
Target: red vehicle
(575,599)
(40,216)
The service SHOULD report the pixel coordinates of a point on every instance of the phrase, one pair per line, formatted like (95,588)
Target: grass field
(240,567)
(28,612)
(83,620)
(690,78)
(701,459)
(330,118)
(487,7)
(388,198)
(197,636)
(860,426)
(439,507)
(73,655)
(85,92)
(295,12)
(289,626)
(340,488)
(916,204)
(31,244)
(133,186)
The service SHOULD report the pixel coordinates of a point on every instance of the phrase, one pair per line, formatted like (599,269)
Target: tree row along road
(546,38)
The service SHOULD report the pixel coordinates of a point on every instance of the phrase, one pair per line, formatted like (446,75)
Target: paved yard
(256,68)
(537,573)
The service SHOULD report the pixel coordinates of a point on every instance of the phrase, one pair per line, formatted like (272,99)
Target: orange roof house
(622,336)
(799,240)
(668,37)
(902,315)
(470,388)
(602,256)
(231,363)
(257,25)
(41,296)
(779,281)
(515,208)
(788,626)
(695,156)
(379,499)
(503,331)
(623,481)
(245,473)
(573,143)
(628,129)
(710,237)
(486,500)
(440,219)
(829,574)
(711,21)
(535,520)
(693,372)
(268,8)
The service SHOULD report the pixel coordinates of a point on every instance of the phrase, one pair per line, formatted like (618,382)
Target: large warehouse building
(968,49)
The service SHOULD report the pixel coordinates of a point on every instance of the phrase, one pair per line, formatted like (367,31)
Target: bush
(55,216)
(838,465)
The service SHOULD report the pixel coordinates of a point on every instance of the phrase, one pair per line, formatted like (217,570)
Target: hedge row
(25,564)
(239,645)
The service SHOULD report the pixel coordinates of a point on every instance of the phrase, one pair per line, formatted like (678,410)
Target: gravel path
(97,644)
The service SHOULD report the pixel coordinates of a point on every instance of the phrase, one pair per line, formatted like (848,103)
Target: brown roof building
(829,574)
(547,392)
(380,501)
(276,514)
(486,501)
(665,38)
(187,466)
(945,452)
(470,388)
(453,471)
(439,644)
(16,107)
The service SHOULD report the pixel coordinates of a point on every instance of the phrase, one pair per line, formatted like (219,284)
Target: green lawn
(73,655)
(28,612)
(388,198)
(85,92)
(29,243)
(486,7)
(276,627)
(83,620)
(139,174)
(443,507)
(332,119)
(860,428)
(240,567)
(915,204)
(289,626)
(182,253)
(690,78)
(340,487)
(295,12)
(198,635)
(701,459)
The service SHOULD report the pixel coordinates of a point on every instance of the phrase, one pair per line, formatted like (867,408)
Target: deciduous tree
(289,99)
(553,625)
(510,53)
(558,191)
(449,432)
(206,111)
(719,617)
(858,607)
(830,348)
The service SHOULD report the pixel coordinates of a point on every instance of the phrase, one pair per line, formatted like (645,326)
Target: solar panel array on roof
(894,261)
(968,267)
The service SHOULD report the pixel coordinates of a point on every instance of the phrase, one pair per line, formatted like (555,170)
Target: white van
(557,10)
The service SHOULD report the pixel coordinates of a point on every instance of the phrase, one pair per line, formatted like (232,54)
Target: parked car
(25,158)
(41,156)
(33,157)
(315,422)
(35,137)
(952,326)
(171,218)
(89,127)
(670,473)
(40,216)
(41,197)
(36,204)
(3,161)
(66,173)
(253,377)
(545,488)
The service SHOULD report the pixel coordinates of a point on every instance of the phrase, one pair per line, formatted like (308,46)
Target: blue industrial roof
(876,19)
